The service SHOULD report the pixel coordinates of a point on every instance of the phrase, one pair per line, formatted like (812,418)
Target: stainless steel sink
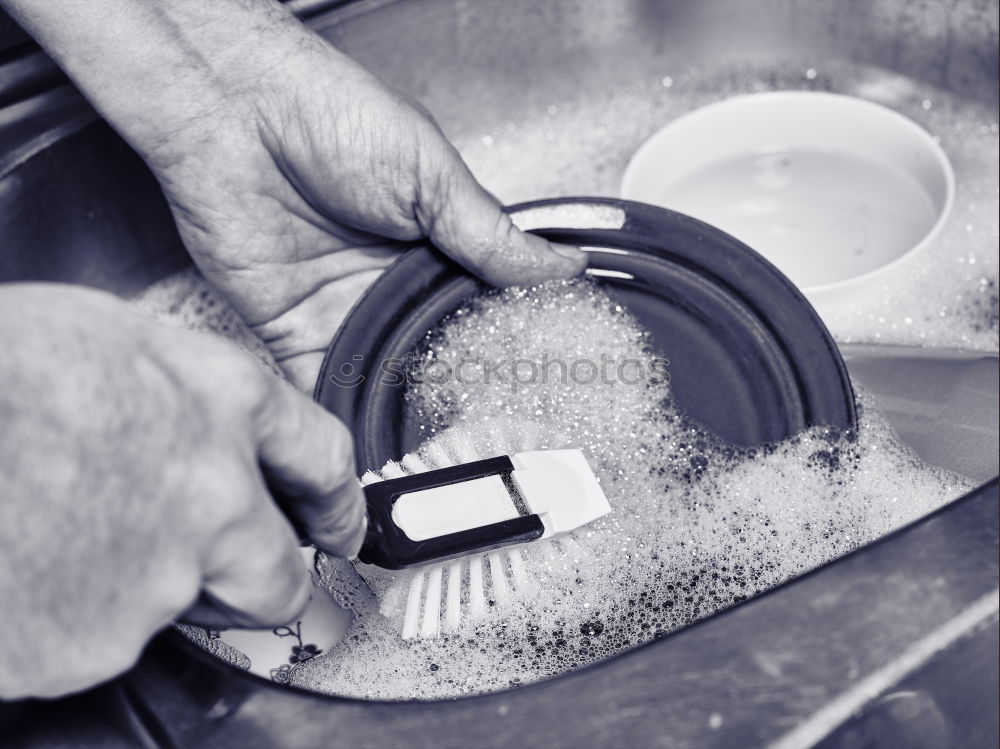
(77,205)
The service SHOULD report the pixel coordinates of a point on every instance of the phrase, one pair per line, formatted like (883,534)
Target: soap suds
(186,300)
(580,144)
(697,526)
(706,526)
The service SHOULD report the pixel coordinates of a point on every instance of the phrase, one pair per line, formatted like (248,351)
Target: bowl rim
(817,292)
(585,221)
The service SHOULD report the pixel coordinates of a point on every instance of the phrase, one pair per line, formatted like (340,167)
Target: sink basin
(548,98)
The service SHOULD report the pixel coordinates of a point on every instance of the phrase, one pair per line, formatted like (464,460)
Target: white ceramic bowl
(835,191)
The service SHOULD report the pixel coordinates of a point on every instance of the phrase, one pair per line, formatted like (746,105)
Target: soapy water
(697,525)
(579,144)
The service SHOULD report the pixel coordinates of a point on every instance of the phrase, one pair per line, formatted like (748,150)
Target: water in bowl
(821,215)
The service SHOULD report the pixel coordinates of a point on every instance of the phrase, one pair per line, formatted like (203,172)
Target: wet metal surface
(77,206)
(743,678)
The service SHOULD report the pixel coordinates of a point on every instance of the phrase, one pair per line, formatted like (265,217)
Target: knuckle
(253,390)
(224,497)
(340,466)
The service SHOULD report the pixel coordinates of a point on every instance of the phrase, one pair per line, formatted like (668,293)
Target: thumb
(466,223)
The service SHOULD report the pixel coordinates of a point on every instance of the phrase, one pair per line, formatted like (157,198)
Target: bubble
(592,628)
(710,526)
(697,525)
(185,300)
(593,160)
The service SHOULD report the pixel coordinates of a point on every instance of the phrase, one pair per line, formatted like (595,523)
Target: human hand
(287,202)
(134,459)
(293,174)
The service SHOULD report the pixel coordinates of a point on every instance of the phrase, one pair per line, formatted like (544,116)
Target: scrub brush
(455,529)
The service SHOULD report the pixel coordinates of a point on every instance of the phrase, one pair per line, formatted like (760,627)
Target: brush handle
(386,545)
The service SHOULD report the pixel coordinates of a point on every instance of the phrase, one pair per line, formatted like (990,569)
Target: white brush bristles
(437,598)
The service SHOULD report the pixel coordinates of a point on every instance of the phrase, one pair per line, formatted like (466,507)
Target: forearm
(152,67)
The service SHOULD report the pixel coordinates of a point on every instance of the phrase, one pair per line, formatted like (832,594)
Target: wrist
(158,68)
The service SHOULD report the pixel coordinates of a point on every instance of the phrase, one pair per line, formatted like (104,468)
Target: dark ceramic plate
(749,358)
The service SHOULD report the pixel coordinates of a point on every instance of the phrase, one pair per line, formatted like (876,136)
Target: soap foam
(186,300)
(706,526)
(697,526)
(580,143)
